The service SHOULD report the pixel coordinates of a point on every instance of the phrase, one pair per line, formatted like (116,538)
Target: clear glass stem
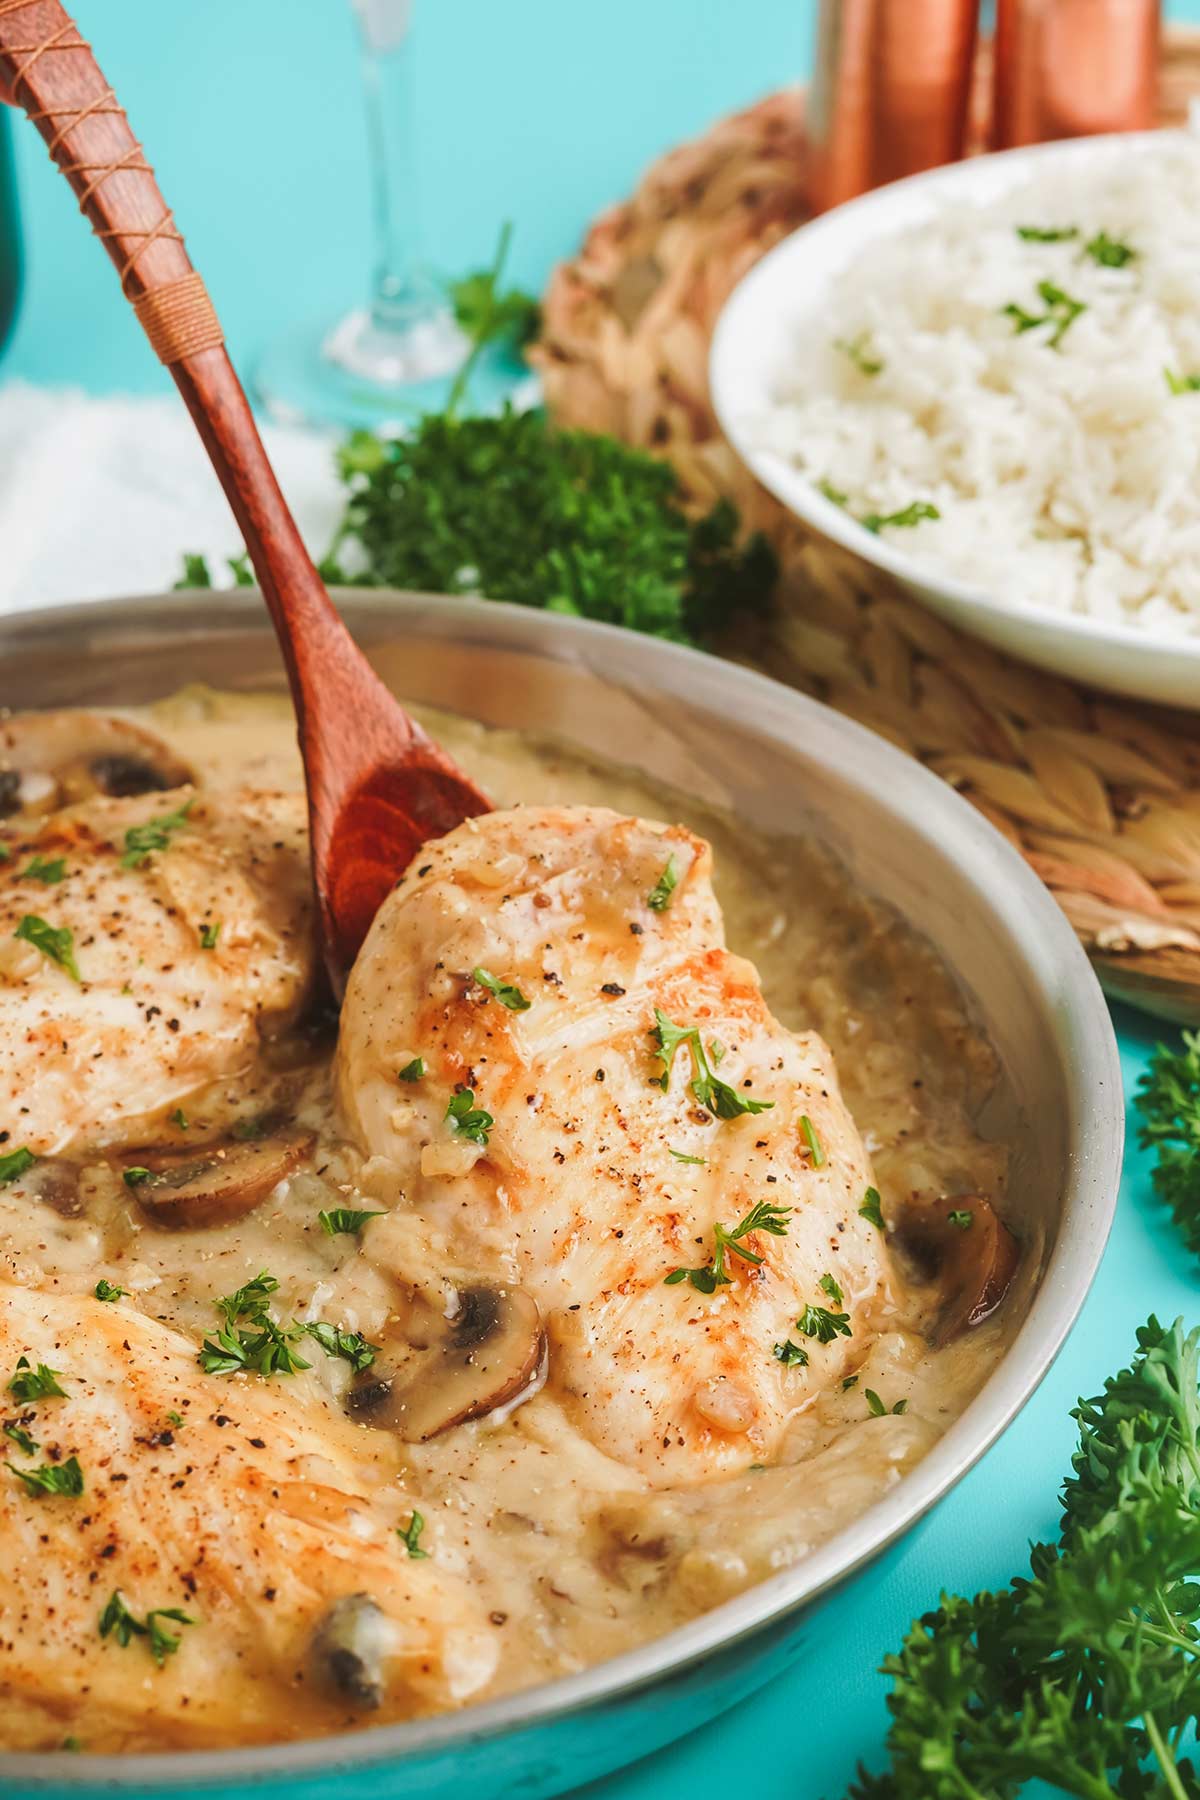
(400,294)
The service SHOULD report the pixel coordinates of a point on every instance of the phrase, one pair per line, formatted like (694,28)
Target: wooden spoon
(378,786)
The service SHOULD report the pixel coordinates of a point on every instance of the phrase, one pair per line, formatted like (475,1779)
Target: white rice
(1064,477)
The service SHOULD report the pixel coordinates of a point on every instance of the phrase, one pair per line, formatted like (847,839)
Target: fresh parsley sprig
(250,1338)
(1168,1098)
(659,897)
(1083,1673)
(765,1216)
(29,1384)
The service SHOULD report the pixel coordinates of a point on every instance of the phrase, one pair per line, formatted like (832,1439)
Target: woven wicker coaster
(1101,797)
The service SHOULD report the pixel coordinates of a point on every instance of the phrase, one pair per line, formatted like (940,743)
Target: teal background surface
(540,112)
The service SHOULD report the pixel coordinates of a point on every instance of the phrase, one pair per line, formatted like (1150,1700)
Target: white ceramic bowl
(787,294)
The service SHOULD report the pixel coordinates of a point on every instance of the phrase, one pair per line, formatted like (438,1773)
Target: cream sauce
(573,1555)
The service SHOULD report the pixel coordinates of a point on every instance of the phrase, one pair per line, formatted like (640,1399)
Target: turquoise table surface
(541,113)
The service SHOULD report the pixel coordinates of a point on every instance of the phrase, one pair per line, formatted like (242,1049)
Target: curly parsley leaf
(29,1384)
(765,1216)
(792,1356)
(56,942)
(467,1120)
(342,1221)
(14,1164)
(723,1101)
(49,871)
(53,1478)
(659,897)
(872,1208)
(107,1290)
(141,841)
(351,1346)
(503,991)
(250,1338)
(1168,1098)
(819,1323)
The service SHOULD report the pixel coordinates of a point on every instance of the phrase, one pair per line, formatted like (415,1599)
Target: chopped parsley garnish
(871,1209)
(829,1286)
(848,1382)
(47,871)
(209,935)
(250,1337)
(963,1218)
(14,1164)
(817,1322)
(503,991)
(909,515)
(20,1437)
(723,1101)
(468,1120)
(180,1118)
(700,1162)
(765,1216)
(55,942)
(351,1346)
(1054,234)
(53,1478)
(35,1384)
(414,1070)
(117,1621)
(831,493)
(5,853)
(659,897)
(1061,313)
(1181,384)
(108,1290)
(343,1220)
(176,1420)
(1109,252)
(141,841)
(137,1176)
(877,1409)
(856,350)
(410,1535)
(813,1141)
(792,1356)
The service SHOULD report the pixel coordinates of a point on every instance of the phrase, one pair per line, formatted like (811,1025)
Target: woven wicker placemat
(1100,796)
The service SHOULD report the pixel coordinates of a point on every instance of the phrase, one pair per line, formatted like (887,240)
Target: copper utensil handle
(49,70)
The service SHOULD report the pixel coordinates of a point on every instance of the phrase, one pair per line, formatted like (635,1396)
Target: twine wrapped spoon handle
(378,785)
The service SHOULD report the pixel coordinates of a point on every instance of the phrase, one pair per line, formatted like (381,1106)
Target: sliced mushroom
(215,1184)
(56,1184)
(52,759)
(351,1648)
(960,1245)
(456,1368)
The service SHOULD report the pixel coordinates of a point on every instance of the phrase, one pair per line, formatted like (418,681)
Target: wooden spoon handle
(49,70)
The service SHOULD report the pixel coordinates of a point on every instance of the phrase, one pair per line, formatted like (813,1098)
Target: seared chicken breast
(582,1091)
(146,944)
(201,1560)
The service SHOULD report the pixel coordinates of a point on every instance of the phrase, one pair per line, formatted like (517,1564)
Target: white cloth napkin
(101,497)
